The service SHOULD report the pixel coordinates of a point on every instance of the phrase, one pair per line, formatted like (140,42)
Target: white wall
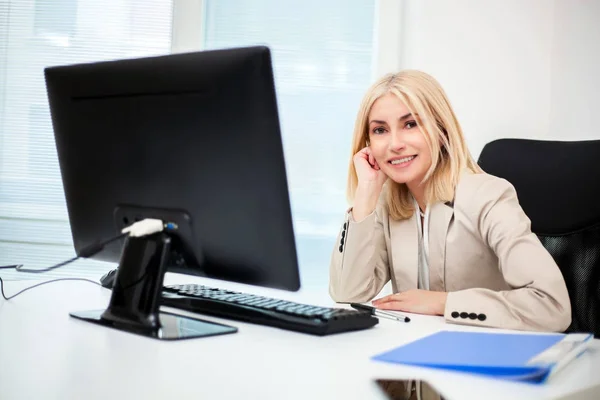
(576,70)
(505,64)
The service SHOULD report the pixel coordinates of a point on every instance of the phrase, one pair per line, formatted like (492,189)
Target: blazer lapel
(404,248)
(440,218)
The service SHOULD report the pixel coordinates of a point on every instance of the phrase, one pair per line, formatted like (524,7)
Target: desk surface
(46,354)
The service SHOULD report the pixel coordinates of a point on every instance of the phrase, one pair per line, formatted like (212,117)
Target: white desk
(45,354)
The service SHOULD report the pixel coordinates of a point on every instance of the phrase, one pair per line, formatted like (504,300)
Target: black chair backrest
(558,185)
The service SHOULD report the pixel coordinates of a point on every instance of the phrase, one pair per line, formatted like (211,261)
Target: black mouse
(108,280)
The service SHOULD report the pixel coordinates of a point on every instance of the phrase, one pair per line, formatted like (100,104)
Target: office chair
(558,186)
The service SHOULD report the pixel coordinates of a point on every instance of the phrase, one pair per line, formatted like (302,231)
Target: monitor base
(172,326)
(136,295)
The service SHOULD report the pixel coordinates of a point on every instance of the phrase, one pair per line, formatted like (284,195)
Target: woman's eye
(378,131)
(411,124)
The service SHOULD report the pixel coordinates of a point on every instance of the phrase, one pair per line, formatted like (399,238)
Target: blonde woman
(452,239)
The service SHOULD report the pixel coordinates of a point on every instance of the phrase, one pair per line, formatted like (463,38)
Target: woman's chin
(399,177)
(407,180)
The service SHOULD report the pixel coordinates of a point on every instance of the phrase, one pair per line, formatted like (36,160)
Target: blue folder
(524,357)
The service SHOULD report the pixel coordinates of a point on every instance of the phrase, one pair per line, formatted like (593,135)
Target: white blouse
(423,229)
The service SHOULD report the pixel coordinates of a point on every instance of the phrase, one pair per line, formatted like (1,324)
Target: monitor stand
(135,301)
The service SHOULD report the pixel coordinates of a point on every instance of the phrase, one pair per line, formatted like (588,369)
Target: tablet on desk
(404,389)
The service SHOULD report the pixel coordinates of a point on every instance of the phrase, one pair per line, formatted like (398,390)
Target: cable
(141,228)
(148,226)
(88,251)
(42,283)
(11,266)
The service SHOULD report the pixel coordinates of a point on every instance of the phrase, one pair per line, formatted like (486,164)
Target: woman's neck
(418,192)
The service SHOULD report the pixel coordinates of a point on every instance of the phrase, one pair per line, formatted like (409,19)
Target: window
(322,56)
(34,227)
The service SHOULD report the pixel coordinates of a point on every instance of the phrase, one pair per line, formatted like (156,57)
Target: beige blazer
(481,251)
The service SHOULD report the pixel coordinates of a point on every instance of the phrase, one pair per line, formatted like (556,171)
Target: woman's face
(396,141)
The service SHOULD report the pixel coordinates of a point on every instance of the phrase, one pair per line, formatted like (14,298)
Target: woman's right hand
(370,182)
(367,170)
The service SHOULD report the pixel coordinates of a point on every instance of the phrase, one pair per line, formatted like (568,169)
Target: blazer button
(341,248)
(481,317)
(464,315)
(454,314)
(345,225)
(472,316)
(343,234)
(341,241)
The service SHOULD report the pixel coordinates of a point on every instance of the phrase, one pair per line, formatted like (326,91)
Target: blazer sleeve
(538,297)
(359,263)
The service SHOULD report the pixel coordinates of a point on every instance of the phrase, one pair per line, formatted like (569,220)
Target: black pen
(379,313)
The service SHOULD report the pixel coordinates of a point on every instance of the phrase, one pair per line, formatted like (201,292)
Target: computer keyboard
(265,310)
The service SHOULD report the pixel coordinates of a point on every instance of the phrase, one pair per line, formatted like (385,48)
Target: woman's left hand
(414,301)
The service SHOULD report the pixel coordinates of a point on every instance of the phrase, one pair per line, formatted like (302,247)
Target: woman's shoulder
(473,180)
(478,188)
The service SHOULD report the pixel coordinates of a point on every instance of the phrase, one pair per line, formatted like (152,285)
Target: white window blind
(34,228)
(322,55)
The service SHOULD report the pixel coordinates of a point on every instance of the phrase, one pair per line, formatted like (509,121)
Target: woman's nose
(396,141)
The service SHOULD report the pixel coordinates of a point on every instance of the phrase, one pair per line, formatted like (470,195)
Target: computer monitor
(192,139)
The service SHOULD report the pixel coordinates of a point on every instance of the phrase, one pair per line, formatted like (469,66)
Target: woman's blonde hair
(425,98)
